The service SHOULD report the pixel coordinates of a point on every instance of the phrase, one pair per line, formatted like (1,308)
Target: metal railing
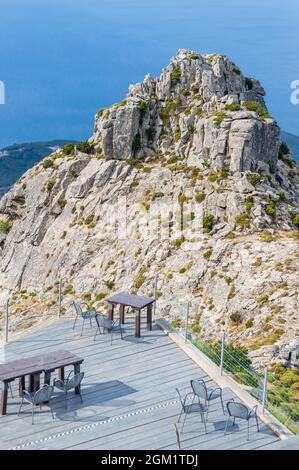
(263,384)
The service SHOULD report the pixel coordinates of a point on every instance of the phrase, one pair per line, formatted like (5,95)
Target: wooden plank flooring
(129,396)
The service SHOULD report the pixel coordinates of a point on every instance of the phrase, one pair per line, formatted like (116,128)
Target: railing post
(222,354)
(59,298)
(155,292)
(186,322)
(265,388)
(6,320)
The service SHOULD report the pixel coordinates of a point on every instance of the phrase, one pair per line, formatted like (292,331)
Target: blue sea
(61,60)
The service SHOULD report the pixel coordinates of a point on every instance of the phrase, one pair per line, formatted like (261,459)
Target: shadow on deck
(129,396)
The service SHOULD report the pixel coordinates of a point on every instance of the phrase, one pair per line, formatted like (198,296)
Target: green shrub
(179,241)
(212,177)
(256,179)
(5,227)
(194,56)
(249,323)
(296,221)
(100,296)
(236,318)
(175,75)
(208,223)
(261,110)
(143,110)
(200,197)
(47,163)
(207,255)
(219,118)
(62,203)
(282,196)
(233,107)
(68,149)
(110,284)
(85,147)
(136,145)
(243,220)
(270,210)
(150,133)
(284,149)
(266,236)
(50,185)
(140,278)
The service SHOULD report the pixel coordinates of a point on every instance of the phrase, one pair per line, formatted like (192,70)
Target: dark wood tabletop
(130,300)
(33,365)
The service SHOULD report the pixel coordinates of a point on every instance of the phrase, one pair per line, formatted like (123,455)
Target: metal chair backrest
(75,381)
(43,394)
(78,309)
(237,410)
(199,389)
(104,322)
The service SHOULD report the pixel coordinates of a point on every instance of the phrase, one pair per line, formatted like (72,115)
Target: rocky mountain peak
(194,147)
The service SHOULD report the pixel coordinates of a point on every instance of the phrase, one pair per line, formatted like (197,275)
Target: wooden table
(34,367)
(137,303)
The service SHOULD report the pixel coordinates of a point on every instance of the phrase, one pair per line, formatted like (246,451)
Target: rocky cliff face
(185,178)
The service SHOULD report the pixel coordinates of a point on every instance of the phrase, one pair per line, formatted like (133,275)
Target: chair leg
(184,422)
(90,321)
(82,326)
(204,421)
(81,396)
(111,338)
(226,426)
(75,322)
(51,410)
(221,398)
(65,400)
(180,415)
(248,430)
(121,333)
(257,423)
(208,407)
(32,414)
(21,404)
(97,330)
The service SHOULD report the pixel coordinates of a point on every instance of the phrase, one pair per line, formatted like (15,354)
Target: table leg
(47,378)
(111,311)
(3,398)
(22,386)
(36,382)
(149,317)
(137,323)
(61,373)
(76,371)
(31,383)
(122,314)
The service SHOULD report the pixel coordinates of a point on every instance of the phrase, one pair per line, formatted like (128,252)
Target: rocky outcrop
(185,179)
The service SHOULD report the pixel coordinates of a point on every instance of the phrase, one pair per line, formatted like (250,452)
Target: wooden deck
(129,397)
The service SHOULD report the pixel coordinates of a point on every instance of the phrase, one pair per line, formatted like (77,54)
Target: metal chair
(107,325)
(240,411)
(72,381)
(85,315)
(188,408)
(202,392)
(41,397)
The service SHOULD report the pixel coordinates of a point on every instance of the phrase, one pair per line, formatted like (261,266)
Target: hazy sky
(61,60)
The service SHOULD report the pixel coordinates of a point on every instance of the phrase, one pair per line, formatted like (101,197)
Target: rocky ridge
(193,149)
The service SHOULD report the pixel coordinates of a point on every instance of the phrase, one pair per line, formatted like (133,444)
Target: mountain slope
(293,143)
(18,158)
(186,178)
